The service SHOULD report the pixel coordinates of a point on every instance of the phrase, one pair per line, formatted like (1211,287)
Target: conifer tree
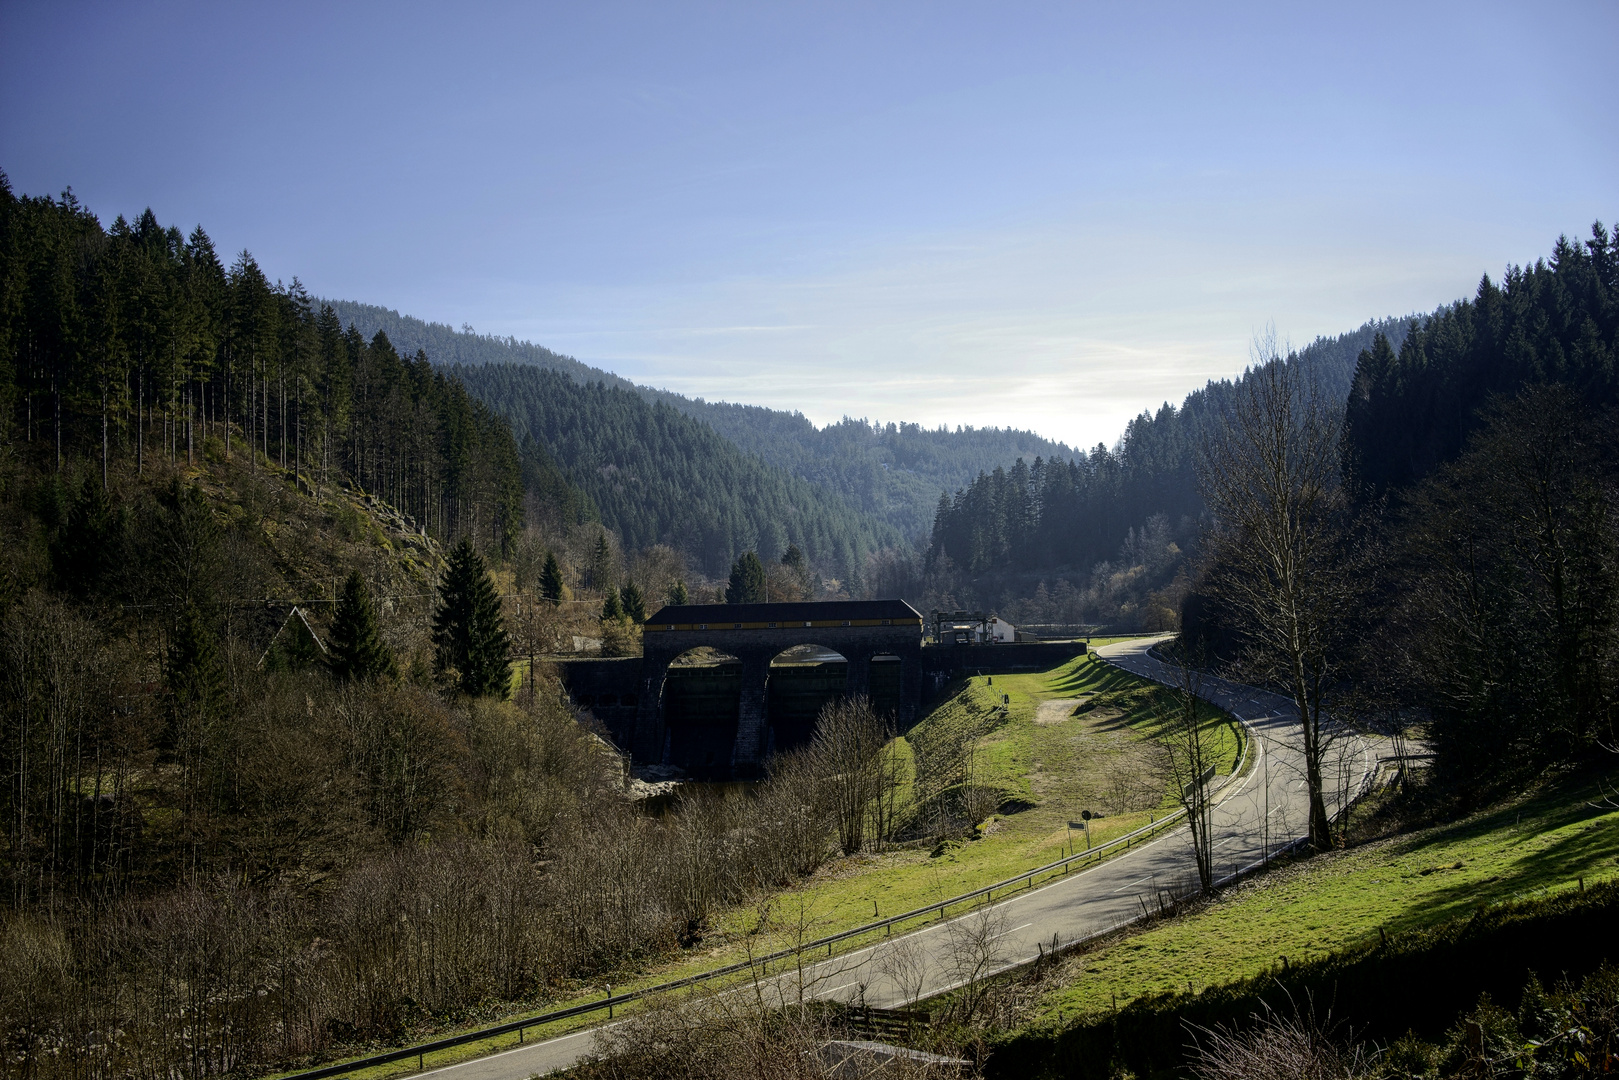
(611,607)
(601,562)
(552,586)
(634,603)
(469,637)
(358,652)
(195,676)
(747,581)
(793,559)
(679,594)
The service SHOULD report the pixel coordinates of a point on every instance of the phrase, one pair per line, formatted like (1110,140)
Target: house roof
(820,612)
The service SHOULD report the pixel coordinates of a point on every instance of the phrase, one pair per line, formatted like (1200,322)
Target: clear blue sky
(1044,215)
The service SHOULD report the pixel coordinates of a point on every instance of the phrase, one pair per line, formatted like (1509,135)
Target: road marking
(1137,881)
(1014,930)
(835,989)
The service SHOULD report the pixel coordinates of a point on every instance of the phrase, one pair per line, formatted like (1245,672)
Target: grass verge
(1531,847)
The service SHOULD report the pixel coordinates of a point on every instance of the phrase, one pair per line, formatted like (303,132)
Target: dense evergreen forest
(1418,397)
(1110,530)
(1482,458)
(892,471)
(659,477)
(134,344)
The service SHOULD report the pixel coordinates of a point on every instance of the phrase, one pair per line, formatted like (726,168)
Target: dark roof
(823,611)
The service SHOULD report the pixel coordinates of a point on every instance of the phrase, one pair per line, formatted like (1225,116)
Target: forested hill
(1417,399)
(893,471)
(659,476)
(1041,515)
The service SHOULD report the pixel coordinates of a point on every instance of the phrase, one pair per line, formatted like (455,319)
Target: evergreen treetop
(552,587)
(195,676)
(469,636)
(611,607)
(358,652)
(747,581)
(634,602)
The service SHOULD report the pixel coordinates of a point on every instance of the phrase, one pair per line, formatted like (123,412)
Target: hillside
(1402,901)
(893,472)
(1418,397)
(659,477)
(1101,538)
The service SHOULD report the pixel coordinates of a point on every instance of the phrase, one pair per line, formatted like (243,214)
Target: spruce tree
(195,676)
(611,607)
(793,559)
(469,637)
(634,603)
(601,562)
(552,586)
(747,581)
(679,594)
(358,652)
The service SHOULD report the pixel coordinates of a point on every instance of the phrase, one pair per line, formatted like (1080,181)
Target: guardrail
(760,966)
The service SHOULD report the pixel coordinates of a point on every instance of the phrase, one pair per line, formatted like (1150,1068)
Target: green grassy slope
(1541,844)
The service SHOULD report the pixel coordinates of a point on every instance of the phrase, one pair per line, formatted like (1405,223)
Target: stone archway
(755,634)
(802,681)
(701,700)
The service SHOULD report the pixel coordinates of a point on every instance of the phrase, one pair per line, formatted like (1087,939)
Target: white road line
(1137,881)
(835,989)
(1014,930)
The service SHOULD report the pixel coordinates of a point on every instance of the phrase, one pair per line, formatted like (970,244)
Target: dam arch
(887,633)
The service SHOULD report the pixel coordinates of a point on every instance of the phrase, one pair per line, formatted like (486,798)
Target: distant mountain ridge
(893,472)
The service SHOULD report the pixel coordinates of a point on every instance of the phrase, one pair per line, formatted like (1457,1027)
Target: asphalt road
(1264,810)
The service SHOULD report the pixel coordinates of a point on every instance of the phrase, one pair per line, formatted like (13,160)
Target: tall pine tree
(552,586)
(634,603)
(469,636)
(358,652)
(747,581)
(195,676)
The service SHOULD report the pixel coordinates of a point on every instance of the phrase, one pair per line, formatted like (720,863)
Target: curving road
(1258,813)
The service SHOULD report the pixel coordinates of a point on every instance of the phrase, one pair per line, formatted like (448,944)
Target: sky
(1046,216)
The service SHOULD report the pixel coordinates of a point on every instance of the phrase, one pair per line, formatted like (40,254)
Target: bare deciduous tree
(974,951)
(1184,722)
(1278,549)
(903,962)
(848,750)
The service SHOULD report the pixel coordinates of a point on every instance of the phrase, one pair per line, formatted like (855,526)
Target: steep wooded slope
(892,471)
(658,476)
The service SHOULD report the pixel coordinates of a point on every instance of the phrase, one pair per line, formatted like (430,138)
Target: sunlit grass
(1335,900)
